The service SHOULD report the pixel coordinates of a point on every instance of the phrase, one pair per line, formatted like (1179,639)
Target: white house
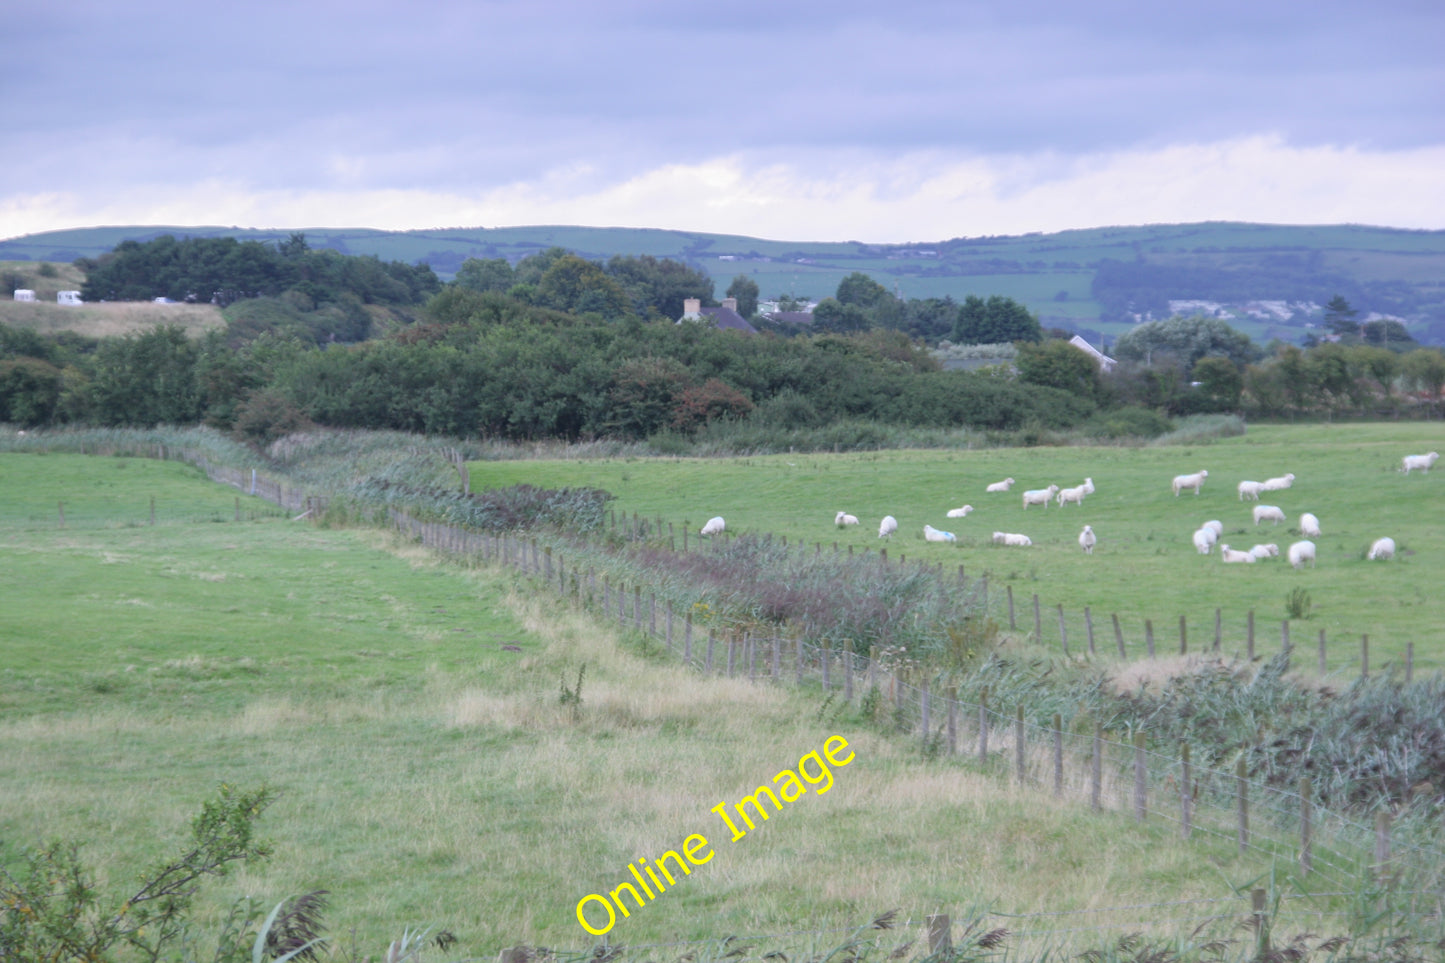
(68,297)
(24,294)
(1106,363)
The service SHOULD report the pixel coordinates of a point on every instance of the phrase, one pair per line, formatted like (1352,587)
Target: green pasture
(409,714)
(1145,565)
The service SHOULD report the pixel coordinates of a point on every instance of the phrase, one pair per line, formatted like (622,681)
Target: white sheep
(1230,556)
(1272,513)
(1075,495)
(1268,550)
(1215,526)
(1250,490)
(1040,496)
(1278,484)
(931,534)
(1002,486)
(888,526)
(1382,548)
(1422,462)
(1309,525)
(714,526)
(960,512)
(1299,552)
(843,519)
(1087,540)
(1088,486)
(1194,481)
(1204,540)
(1011,538)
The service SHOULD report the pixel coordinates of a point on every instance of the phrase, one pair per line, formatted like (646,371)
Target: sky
(909,120)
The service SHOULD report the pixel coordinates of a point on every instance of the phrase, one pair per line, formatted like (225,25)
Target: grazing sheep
(1087,541)
(714,526)
(844,518)
(1075,495)
(1250,490)
(1309,525)
(931,534)
(1299,552)
(888,526)
(1278,484)
(1268,550)
(1204,540)
(1271,512)
(960,512)
(1010,538)
(1215,526)
(1194,481)
(1230,556)
(1410,462)
(1002,486)
(1040,496)
(1088,486)
(1382,548)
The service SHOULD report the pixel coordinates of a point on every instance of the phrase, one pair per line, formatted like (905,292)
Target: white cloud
(914,197)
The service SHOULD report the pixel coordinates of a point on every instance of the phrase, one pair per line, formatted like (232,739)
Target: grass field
(1145,565)
(409,713)
(109,320)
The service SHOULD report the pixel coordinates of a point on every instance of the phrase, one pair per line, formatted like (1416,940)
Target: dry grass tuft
(1156,674)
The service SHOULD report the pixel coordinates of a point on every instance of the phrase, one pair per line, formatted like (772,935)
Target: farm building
(1106,363)
(726,317)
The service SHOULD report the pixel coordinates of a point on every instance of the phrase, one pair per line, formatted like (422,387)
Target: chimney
(730,303)
(691,307)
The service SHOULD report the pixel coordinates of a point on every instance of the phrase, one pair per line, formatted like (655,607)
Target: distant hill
(1268,280)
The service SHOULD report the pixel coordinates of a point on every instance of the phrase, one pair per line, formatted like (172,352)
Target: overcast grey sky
(910,120)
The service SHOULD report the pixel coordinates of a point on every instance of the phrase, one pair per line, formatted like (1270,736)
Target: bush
(1127,422)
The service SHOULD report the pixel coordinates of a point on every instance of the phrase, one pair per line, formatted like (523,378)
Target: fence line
(1277,824)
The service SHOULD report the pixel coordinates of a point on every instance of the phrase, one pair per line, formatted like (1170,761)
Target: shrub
(1128,422)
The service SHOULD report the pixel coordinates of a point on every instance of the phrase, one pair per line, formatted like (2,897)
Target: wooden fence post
(153,509)
(798,652)
(777,657)
(1185,797)
(1249,642)
(1063,631)
(923,707)
(711,640)
(1409,662)
(952,720)
(687,636)
(1141,779)
(1183,638)
(1149,637)
(1096,769)
(1323,664)
(983,725)
(1013,626)
(1089,628)
(1118,635)
(1284,637)
(1306,816)
(732,654)
(1382,844)
(825,656)
(669,619)
(61,506)
(1038,623)
(940,937)
(848,672)
(1218,628)
(1364,656)
(1019,742)
(1241,788)
(1258,909)
(1058,754)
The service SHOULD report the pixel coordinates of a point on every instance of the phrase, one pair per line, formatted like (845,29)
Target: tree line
(573,349)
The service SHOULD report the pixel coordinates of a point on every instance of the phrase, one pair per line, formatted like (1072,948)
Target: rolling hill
(1268,280)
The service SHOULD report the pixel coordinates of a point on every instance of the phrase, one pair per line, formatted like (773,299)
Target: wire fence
(1325,850)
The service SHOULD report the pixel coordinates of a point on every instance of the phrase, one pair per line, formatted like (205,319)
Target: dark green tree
(995,321)
(1058,364)
(1220,384)
(657,287)
(861,290)
(833,316)
(491,274)
(579,286)
(1340,317)
(745,289)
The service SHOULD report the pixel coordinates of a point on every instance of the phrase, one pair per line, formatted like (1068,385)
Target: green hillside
(1098,280)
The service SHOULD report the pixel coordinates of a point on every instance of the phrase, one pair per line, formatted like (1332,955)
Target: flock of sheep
(1204,538)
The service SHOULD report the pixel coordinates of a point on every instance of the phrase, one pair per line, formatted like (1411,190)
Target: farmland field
(1145,566)
(409,714)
